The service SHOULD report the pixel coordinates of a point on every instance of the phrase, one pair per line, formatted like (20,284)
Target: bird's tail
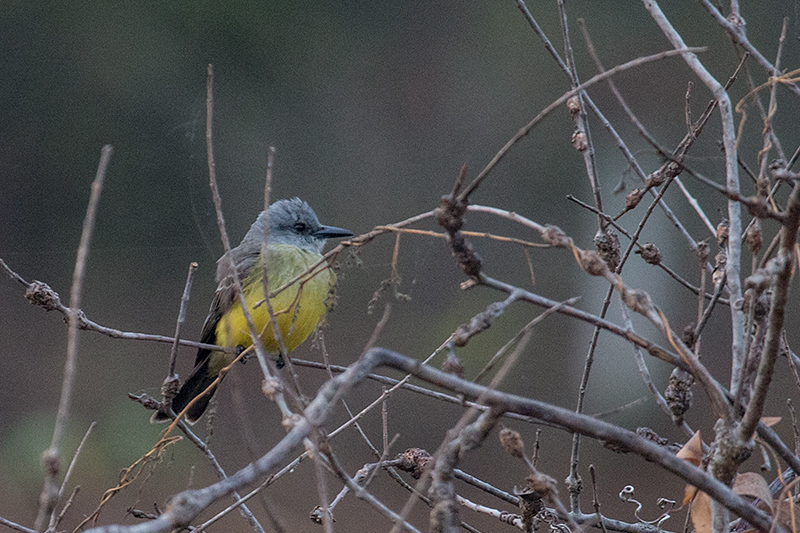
(197,382)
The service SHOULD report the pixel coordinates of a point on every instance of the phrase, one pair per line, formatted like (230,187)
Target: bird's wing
(225,294)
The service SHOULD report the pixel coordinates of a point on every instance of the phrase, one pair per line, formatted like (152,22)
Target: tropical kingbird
(294,244)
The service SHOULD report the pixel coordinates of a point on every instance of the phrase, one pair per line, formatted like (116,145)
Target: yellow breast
(298,309)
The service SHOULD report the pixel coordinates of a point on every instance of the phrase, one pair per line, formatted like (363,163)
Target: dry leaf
(688,493)
(701,513)
(692,451)
(788,514)
(770,421)
(753,485)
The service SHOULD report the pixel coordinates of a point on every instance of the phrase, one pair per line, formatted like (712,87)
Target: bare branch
(51,456)
(781,269)
(732,173)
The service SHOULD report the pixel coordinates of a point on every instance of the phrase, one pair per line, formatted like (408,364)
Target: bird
(295,240)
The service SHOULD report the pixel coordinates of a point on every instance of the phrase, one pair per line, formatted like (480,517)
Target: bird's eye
(300,227)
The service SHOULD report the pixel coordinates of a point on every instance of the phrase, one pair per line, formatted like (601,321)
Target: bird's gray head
(293,222)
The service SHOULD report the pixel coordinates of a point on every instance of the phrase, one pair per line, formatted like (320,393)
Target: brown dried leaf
(701,513)
(770,421)
(753,485)
(689,493)
(692,451)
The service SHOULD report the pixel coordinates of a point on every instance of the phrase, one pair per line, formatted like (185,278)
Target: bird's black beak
(332,232)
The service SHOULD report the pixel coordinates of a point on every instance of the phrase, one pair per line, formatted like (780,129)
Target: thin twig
(736,30)
(171,384)
(674,275)
(363,494)
(212,459)
(585,143)
(15,526)
(462,437)
(574,482)
(66,507)
(320,460)
(535,299)
(416,389)
(187,289)
(558,102)
(634,164)
(53,518)
(775,322)
(188,504)
(732,178)
(516,338)
(41,294)
(50,458)
(683,146)
(237,283)
(225,512)
(644,372)
(767,130)
(442,235)
(273,322)
(707,312)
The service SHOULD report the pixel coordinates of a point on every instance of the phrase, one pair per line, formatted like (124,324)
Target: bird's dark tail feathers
(197,382)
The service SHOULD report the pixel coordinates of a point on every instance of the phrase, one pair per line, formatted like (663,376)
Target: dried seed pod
(722,234)
(530,504)
(632,199)
(543,486)
(574,104)
(592,263)
(650,254)
(753,237)
(757,207)
(679,394)
(555,236)
(720,262)
(579,140)
(607,244)
(415,461)
(759,281)
(762,187)
(687,336)
(651,435)
(657,177)
(702,251)
(452,365)
(512,443)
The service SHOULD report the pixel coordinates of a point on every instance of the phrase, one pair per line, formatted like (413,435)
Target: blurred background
(372,107)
